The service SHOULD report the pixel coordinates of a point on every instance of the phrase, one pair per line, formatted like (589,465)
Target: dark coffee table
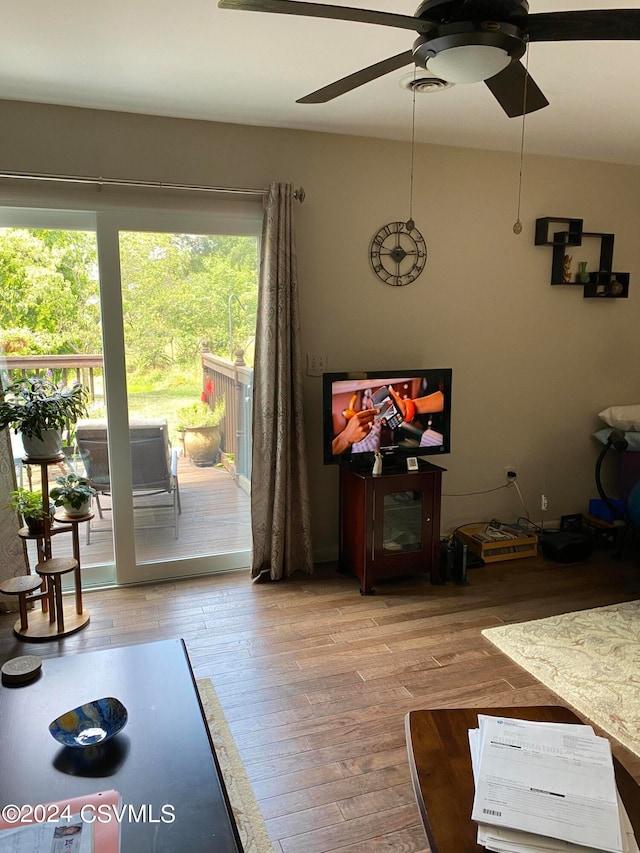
(440,762)
(162,757)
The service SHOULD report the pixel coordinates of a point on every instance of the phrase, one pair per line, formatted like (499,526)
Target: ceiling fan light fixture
(469,63)
(467,52)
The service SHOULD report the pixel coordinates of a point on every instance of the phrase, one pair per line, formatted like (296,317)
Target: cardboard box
(495,550)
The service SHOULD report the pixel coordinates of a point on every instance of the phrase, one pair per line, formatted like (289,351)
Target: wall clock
(398,253)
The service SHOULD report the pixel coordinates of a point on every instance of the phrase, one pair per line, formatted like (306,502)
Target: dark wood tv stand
(390,524)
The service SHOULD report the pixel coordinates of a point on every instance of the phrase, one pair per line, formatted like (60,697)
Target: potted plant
(31,507)
(74,494)
(200,432)
(39,410)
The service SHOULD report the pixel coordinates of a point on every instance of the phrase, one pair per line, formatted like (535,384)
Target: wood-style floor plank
(315,679)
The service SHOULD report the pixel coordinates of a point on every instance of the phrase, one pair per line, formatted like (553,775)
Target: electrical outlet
(316,364)
(544,503)
(510,473)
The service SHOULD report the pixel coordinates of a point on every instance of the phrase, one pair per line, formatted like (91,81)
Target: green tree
(46,280)
(177,292)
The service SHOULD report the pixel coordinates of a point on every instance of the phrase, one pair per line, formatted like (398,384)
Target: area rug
(251,826)
(590,659)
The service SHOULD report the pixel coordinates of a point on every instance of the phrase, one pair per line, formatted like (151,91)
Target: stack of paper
(546,787)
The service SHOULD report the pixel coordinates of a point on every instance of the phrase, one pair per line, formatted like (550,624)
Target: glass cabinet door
(402,514)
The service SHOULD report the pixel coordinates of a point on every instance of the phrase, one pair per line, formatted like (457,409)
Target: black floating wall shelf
(602,284)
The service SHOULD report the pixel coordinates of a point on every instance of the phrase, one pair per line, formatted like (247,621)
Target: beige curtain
(13,558)
(280,515)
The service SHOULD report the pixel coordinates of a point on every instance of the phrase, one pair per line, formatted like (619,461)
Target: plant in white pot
(30,506)
(73,494)
(39,410)
(200,430)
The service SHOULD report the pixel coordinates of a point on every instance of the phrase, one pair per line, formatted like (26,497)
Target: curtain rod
(298,194)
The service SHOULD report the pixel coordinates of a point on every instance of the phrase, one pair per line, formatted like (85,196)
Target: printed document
(500,840)
(547,780)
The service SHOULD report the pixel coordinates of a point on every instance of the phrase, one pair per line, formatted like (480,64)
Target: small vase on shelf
(582,275)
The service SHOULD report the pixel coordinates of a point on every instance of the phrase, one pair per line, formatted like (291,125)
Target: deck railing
(234,382)
(60,368)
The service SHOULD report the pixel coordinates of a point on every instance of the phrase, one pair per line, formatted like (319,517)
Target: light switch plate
(316,364)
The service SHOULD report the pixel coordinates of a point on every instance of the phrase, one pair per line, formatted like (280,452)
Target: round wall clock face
(398,253)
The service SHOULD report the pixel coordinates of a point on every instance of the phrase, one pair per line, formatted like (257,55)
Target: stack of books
(546,787)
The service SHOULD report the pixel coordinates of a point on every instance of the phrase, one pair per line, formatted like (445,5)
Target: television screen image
(399,413)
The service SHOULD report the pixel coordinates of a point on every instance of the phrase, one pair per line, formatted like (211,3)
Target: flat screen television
(401,413)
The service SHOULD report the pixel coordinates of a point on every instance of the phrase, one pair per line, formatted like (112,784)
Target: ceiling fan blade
(322,10)
(365,75)
(508,86)
(586,25)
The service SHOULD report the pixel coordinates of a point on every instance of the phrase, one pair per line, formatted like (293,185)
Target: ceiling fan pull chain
(517,225)
(410,223)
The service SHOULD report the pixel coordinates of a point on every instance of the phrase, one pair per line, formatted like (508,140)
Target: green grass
(172,379)
(156,394)
(163,403)
(159,394)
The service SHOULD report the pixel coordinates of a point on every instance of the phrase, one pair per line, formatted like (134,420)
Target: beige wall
(533,364)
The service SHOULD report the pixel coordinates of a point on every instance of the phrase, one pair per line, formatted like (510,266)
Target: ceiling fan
(465,41)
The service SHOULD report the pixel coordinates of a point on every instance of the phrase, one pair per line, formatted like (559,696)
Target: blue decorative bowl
(90,724)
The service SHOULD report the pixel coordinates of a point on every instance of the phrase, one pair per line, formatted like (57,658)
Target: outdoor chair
(154,465)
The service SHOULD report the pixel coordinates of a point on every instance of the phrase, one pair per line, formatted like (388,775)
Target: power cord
(470,494)
(530,525)
(512,482)
(526,511)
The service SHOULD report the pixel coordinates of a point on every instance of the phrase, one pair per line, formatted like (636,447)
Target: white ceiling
(194,60)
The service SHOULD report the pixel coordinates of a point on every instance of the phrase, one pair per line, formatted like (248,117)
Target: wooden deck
(215,519)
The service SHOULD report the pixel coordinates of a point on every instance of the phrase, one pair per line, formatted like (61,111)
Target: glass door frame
(219,217)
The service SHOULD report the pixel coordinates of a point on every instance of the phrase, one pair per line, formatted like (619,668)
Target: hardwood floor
(315,679)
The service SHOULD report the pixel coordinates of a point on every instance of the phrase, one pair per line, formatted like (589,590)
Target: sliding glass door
(188,301)
(51,326)
(163,305)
